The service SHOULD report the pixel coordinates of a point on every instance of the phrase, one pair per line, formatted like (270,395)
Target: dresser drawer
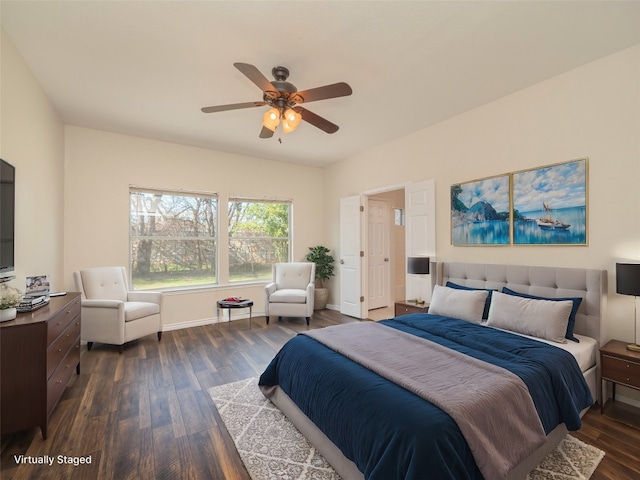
(59,349)
(57,324)
(61,376)
(621,371)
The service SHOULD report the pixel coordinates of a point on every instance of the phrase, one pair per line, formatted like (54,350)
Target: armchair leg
(159,336)
(308,318)
(89,346)
(267,319)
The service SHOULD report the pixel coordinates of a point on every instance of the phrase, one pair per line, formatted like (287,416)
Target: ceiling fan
(284,99)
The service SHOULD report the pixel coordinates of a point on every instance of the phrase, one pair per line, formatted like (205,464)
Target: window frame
(135,189)
(263,200)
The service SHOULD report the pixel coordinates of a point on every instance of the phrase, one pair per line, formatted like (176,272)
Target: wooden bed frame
(543,281)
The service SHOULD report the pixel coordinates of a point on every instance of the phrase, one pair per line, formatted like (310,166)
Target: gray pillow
(464,304)
(539,318)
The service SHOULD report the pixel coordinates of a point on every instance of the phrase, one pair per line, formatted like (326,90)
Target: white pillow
(464,304)
(539,318)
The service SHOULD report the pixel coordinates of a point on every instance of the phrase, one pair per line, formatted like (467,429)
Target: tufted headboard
(590,284)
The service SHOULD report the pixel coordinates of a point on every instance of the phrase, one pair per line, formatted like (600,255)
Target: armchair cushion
(136,310)
(289,295)
(104,283)
(293,275)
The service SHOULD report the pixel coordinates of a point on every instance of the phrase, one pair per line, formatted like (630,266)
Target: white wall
(592,111)
(101,166)
(32,139)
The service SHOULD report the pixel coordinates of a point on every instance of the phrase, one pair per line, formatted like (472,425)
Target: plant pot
(8,314)
(320,297)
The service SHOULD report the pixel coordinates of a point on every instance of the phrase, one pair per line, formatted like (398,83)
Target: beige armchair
(290,294)
(111,313)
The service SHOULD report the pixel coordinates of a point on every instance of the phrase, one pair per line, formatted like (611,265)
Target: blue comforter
(390,433)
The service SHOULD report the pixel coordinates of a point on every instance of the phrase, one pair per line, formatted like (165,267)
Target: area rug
(273,449)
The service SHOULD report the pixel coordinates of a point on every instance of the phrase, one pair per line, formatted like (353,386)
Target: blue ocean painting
(550,205)
(480,212)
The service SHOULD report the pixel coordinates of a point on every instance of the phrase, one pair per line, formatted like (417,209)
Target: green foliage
(456,203)
(324,262)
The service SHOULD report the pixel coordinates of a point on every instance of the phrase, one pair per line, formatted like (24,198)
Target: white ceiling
(145,68)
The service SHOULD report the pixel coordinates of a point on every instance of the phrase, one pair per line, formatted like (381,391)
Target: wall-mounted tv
(7,218)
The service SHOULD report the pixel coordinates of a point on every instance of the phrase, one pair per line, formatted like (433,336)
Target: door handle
(341,262)
(386,259)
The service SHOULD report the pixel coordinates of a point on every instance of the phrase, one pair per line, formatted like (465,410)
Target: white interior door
(420,233)
(378,253)
(350,259)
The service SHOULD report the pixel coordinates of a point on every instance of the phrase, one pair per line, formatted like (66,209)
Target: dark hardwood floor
(146,414)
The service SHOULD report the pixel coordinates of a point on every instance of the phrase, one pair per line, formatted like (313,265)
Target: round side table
(246,303)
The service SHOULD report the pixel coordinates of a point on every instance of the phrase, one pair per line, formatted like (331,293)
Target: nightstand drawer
(621,371)
(404,308)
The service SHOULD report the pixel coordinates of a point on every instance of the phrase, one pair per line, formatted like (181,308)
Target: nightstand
(619,366)
(410,306)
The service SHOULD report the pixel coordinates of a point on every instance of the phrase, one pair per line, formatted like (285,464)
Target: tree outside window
(259,236)
(172,239)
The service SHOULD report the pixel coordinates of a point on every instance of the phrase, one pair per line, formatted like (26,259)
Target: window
(173,238)
(259,236)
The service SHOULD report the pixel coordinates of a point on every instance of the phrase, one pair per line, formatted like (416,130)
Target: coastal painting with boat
(480,212)
(550,205)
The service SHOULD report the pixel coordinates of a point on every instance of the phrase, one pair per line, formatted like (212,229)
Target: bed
(370,419)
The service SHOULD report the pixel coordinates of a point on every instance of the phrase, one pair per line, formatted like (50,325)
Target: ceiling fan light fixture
(290,120)
(271,119)
(292,117)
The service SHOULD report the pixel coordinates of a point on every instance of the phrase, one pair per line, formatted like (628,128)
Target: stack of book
(29,303)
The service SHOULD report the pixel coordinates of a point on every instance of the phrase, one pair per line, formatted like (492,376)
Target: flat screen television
(7,218)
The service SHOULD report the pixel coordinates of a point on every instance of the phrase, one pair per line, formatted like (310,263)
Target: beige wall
(101,166)
(31,138)
(592,111)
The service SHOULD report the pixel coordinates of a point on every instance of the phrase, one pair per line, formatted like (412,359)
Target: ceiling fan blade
(266,133)
(316,120)
(232,106)
(253,74)
(334,90)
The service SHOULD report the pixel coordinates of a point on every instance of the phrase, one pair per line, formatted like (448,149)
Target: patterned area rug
(273,449)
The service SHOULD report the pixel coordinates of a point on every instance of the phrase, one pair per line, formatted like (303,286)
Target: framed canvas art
(550,205)
(480,212)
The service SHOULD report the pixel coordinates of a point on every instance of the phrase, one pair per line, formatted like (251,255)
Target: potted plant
(324,271)
(9,298)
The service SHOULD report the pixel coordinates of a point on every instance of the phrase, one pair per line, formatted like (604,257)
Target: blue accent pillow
(487,303)
(572,316)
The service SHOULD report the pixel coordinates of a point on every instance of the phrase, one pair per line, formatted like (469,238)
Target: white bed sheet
(585,352)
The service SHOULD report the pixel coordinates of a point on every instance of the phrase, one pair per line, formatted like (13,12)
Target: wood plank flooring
(146,414)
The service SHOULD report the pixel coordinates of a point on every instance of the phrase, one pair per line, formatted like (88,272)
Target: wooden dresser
(39,351)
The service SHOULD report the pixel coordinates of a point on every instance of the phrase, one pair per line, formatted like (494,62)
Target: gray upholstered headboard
(589,284)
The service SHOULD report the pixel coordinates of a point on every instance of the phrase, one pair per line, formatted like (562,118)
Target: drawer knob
(59,381)
(59,349)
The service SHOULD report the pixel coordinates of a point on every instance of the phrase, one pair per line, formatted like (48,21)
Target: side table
(410,306)
(246,303)
(619,366)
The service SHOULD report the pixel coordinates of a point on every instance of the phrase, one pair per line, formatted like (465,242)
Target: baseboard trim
(209,321)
